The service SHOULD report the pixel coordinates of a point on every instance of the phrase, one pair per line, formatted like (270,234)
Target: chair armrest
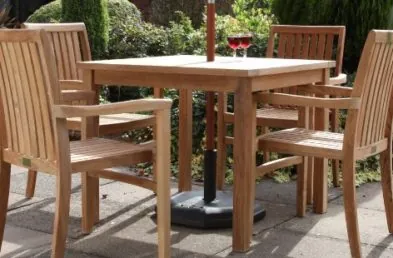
(327,90)
(72,85)
(76,95)
(340,79)
(142,105)
(296,100)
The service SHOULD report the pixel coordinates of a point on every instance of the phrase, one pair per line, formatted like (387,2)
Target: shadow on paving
(113,241)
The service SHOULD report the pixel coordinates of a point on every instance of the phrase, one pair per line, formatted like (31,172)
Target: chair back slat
(70,45)
(27,85)
(374,84)
(308,42)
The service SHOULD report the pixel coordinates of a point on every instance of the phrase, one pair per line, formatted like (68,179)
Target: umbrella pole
(215,210)
(210,156)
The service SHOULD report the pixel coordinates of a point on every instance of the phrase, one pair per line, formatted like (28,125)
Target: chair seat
(277,117)
(99,153)
(116,123)
(299,141)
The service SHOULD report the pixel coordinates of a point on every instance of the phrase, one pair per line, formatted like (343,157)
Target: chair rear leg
(351,208)
(302,188)
(5,178)
(60,229)
(335,163)
(31,182)
(90,202)
(386,181)
(310,180)
(221,145)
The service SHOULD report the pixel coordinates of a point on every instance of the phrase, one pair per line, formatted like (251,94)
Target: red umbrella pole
(211,35)
(210,153)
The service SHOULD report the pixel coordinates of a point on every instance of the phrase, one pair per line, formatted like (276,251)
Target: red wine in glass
(234,43)
(245,43)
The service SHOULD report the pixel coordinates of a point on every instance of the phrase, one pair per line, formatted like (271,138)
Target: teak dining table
(241,76)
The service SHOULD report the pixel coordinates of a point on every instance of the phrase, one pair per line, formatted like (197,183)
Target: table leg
(320,164)
(185,140)
(244,166)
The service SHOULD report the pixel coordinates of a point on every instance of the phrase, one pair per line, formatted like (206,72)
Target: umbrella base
(190,210)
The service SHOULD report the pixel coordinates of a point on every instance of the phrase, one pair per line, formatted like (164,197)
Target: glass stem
(234,53)
(245,53)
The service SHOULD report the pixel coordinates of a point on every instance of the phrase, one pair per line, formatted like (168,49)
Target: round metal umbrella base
(189,209)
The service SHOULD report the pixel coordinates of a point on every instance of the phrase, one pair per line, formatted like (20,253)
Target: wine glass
(234,43)
(245,43)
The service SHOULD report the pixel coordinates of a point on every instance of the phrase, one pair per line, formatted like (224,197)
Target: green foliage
(47,13)
(164,11)
(359,17)
(94,13)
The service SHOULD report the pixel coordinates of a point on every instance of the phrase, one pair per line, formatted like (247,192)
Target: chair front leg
(90,202)
(351,207)
(60,229)
(5,178)
(301,201)
(387,184)
(31,182)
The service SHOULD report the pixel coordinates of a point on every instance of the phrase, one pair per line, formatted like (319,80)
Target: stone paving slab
(373,227)
(268,190)
(369,196)
(127,228)
(280,243)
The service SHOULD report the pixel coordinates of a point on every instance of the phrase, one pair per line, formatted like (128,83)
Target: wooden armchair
(35,134)
(301,42)
(70,45)
(368,129)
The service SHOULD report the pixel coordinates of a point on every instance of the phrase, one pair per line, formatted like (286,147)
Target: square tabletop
(198,65)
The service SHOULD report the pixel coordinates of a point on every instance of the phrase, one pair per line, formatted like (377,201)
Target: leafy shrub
(122,14)
(94,13)
(359,16)
(164,11)
(47,13)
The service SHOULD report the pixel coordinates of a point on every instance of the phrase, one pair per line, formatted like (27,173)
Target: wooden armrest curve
(72,85)
(327,90)
(142,105)
(339,79)
(74,95)
(305,101)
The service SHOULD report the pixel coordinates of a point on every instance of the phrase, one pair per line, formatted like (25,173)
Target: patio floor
(127,229)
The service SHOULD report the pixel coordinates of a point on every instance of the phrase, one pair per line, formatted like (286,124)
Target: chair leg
(310,180)
(221,145)
(163,160)
(90,202)
(335,163)
(60,229)
(5,178)
(266,154)
(351,208)
(31,182)
(302,188)
(335,172)
(387,185)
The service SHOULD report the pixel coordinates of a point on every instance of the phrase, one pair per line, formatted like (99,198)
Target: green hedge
(94,13)
(359,16)
(129,36)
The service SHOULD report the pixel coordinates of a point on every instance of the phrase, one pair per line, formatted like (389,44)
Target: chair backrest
(308,42)
(70,45)
(28,88)
(374,85)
